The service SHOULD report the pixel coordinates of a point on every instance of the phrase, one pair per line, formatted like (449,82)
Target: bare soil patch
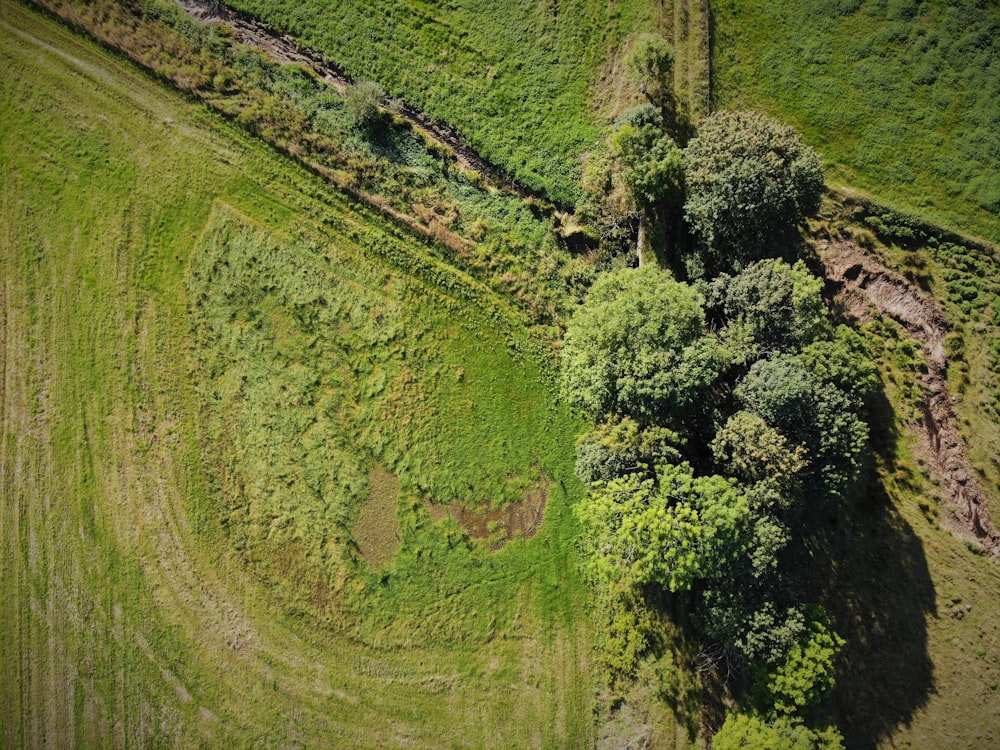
(377,529)
(520,520)
(866,288)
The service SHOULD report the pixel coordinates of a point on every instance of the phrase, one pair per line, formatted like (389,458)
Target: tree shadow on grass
(870,572)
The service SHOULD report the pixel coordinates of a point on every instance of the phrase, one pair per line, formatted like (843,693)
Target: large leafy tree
(750,182)
(637,347)
(671,531)
(649,164)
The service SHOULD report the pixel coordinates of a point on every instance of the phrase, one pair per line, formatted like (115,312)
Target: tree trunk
(642,238)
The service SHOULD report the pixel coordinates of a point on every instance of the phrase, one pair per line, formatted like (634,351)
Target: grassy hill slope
(169,577)
(901,96)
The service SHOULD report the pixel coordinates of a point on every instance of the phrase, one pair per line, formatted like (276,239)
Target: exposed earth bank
(865,286)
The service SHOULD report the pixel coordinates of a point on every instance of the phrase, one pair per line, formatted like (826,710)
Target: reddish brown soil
(519,520)
(866,289)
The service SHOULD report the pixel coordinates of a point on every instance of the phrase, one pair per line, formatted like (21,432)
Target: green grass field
(247,423)
(901,97)
(186,449)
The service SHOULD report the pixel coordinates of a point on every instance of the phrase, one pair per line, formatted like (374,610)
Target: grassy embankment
(917,605)
(512,77)
(184,460)
(902,97)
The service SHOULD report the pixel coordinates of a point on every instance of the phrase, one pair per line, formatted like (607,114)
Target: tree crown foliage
(620,446)
(650,162)
(744,731)
(750,181)
(782,305)
(671,530)
(651,61)
(806,674)
(633,347)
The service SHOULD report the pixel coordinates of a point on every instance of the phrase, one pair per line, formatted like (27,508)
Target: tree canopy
(651,61)
(637,347)
(750,182)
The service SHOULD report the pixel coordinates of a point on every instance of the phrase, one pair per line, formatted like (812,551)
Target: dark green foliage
(843,361)
(816,415)
(780,305)
(750,182)
(788,389)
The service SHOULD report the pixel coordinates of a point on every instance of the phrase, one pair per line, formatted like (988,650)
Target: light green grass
(901,97)
(133,614)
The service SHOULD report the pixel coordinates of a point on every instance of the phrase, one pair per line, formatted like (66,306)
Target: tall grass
(511,76)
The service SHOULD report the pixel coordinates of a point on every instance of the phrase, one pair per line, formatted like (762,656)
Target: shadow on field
(872,575)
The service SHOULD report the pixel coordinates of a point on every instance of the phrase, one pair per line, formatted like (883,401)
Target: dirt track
(864,285)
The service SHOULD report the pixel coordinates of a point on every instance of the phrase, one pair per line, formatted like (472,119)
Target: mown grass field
(902,97)
(184,460)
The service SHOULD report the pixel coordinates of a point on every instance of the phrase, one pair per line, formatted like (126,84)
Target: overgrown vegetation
(310,375)
(130,616)
(356,143)
(512,77)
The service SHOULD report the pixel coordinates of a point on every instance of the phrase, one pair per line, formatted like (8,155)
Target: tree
(649,164)
(781,304)
(809,412)
(636,347)
(752,732)
(843,360)
(671,531)
(805,676)
(651,61)
(753,451)
(622,446)
(750,182)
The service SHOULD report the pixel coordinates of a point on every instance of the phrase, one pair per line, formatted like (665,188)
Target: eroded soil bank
(865,286)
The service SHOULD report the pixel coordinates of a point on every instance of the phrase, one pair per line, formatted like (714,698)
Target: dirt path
(865,284)
(285,49)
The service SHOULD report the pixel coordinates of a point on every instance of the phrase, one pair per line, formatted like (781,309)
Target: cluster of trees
(728,406)
(701,202)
